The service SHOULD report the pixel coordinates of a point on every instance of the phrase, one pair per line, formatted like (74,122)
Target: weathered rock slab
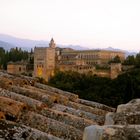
(59,98)
(13,131)
(126,114)
(35,104)
(112,132)
(47,99)
(75,121)
(122,118)
(50,126)
(10,108)
(132,106)
(80,113)
(97,105)
(70,96)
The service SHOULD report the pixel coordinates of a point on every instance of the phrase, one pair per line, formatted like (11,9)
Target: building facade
(88,57)
(17,67)
(47,59)
(44,61)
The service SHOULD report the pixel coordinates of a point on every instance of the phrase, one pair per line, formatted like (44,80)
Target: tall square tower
(44,61)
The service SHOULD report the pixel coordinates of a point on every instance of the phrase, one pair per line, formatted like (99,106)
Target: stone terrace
(30,110)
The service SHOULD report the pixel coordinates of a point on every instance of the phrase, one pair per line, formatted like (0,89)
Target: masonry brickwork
(17,67)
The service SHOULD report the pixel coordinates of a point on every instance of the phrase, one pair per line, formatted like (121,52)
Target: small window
(19,68)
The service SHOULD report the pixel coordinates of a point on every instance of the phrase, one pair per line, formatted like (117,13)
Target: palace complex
(48,59)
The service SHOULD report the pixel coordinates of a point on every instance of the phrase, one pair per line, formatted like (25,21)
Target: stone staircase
(30,110)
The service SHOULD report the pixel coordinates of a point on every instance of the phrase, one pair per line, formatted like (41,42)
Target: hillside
(6,46)
(25,44)
(30,110)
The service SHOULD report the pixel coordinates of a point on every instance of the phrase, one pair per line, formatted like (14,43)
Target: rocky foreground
(33,111)
(124,124)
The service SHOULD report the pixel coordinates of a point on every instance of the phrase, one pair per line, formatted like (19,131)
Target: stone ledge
(112,132)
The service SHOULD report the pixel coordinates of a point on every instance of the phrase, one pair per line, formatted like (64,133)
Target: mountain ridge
(22,43)
(8,41)
(6,45)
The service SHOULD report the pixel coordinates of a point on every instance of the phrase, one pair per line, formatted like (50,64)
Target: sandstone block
(51,126)
(80,113)
(47,99)
(10,108)
(97,105)
(86,108)
(132,106)
(2,116)
(13,131)
(58,97)
(71,96)
(75,121)
(34,104)
(123,118)
(112,132)
(109,118)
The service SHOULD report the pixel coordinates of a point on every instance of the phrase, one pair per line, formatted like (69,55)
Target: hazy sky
(90,23)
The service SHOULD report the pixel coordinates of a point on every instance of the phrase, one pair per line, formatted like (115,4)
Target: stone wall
(17,67)
(44,61)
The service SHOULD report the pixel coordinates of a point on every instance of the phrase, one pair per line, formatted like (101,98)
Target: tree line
(133,60)
(15,54)
(100,89)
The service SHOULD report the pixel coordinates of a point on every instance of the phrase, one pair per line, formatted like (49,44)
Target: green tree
(15,54)
(130,60)
(2,57)
(100,89)
(116,59)
(137,60)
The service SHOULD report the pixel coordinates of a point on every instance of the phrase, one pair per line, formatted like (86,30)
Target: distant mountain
(126,52)
(130,53)
(113,49)
(26,44)
(76,47)
(6,45)
(8,42)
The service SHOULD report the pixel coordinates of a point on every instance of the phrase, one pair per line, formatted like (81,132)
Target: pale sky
(89,23)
